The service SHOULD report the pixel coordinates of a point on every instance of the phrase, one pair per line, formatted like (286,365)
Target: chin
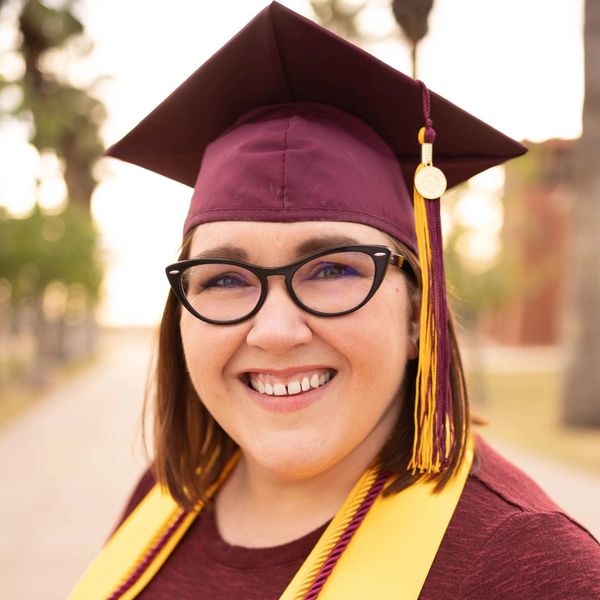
(294,460)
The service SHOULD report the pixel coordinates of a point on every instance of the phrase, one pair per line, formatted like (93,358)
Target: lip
(286,404)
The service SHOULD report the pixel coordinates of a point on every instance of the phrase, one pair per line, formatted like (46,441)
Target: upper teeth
(266,385)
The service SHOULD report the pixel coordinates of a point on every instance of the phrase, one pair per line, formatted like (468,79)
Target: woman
(311,422)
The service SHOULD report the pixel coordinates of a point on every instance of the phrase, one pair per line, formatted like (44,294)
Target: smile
(295,384)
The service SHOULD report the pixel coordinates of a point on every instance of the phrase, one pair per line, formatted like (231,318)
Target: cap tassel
(434,430)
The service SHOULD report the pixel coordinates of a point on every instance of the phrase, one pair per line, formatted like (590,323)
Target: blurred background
(83,242)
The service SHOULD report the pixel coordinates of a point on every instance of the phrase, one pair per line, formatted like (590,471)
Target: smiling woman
(312,434)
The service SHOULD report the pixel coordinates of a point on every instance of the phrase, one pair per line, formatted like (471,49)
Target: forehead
(275,242)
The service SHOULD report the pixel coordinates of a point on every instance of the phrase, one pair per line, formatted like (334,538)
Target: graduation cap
(290,122)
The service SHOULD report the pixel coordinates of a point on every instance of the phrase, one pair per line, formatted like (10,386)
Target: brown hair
(191,448)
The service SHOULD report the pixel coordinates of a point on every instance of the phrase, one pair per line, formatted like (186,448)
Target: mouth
(296,384)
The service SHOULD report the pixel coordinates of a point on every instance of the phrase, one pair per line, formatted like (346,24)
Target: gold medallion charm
(430,182)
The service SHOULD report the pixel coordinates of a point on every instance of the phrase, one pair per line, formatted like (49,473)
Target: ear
(413,326)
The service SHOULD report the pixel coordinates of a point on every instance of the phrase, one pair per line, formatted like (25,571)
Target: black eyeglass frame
(382,256)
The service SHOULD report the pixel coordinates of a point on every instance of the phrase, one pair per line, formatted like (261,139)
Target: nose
(279,325)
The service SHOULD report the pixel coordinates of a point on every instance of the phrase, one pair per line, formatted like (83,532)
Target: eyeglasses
(330,283)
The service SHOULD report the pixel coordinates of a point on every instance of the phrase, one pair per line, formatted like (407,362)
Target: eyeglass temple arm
(400,261)
(397,260)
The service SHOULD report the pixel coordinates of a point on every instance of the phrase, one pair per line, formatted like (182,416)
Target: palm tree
(342,17)
(66,118)
(581,393)
(412,17)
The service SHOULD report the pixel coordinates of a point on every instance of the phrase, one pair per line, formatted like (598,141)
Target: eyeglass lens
(329,284)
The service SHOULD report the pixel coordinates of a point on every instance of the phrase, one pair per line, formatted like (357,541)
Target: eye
(332,270)
(226,281)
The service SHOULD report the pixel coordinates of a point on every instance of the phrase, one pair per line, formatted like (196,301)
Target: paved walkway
(69,463)
(67,467)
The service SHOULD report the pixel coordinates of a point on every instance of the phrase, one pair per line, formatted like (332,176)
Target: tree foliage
(340,16)
(40,249)
(474,290)
(65,120)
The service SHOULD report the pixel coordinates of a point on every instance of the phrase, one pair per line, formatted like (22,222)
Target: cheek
(375,339)
(404,312)
(207,349)
(392,319)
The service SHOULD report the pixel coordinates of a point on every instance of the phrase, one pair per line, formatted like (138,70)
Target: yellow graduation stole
(389,555)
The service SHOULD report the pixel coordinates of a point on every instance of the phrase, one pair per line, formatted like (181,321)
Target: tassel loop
(428,130)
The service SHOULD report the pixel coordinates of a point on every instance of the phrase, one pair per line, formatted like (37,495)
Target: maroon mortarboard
(289,122)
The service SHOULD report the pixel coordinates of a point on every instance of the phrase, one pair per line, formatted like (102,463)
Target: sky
(517,64)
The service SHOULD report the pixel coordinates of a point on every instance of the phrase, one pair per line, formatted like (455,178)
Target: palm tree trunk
(581,394)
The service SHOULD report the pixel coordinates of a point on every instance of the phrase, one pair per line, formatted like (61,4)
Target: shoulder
(527,546)
(535,555)
(507,482)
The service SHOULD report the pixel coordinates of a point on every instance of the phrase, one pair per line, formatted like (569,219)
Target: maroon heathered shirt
(506,540)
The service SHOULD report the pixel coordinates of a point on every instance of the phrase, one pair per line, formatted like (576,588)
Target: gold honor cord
(307,573)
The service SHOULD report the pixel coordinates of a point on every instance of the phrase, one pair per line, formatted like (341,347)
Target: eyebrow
(309,246)
(227,252)
(316,244)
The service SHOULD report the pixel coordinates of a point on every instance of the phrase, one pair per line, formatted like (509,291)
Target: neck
(258,508)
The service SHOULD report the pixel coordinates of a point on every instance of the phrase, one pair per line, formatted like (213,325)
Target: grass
(14,400)
(524,409)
